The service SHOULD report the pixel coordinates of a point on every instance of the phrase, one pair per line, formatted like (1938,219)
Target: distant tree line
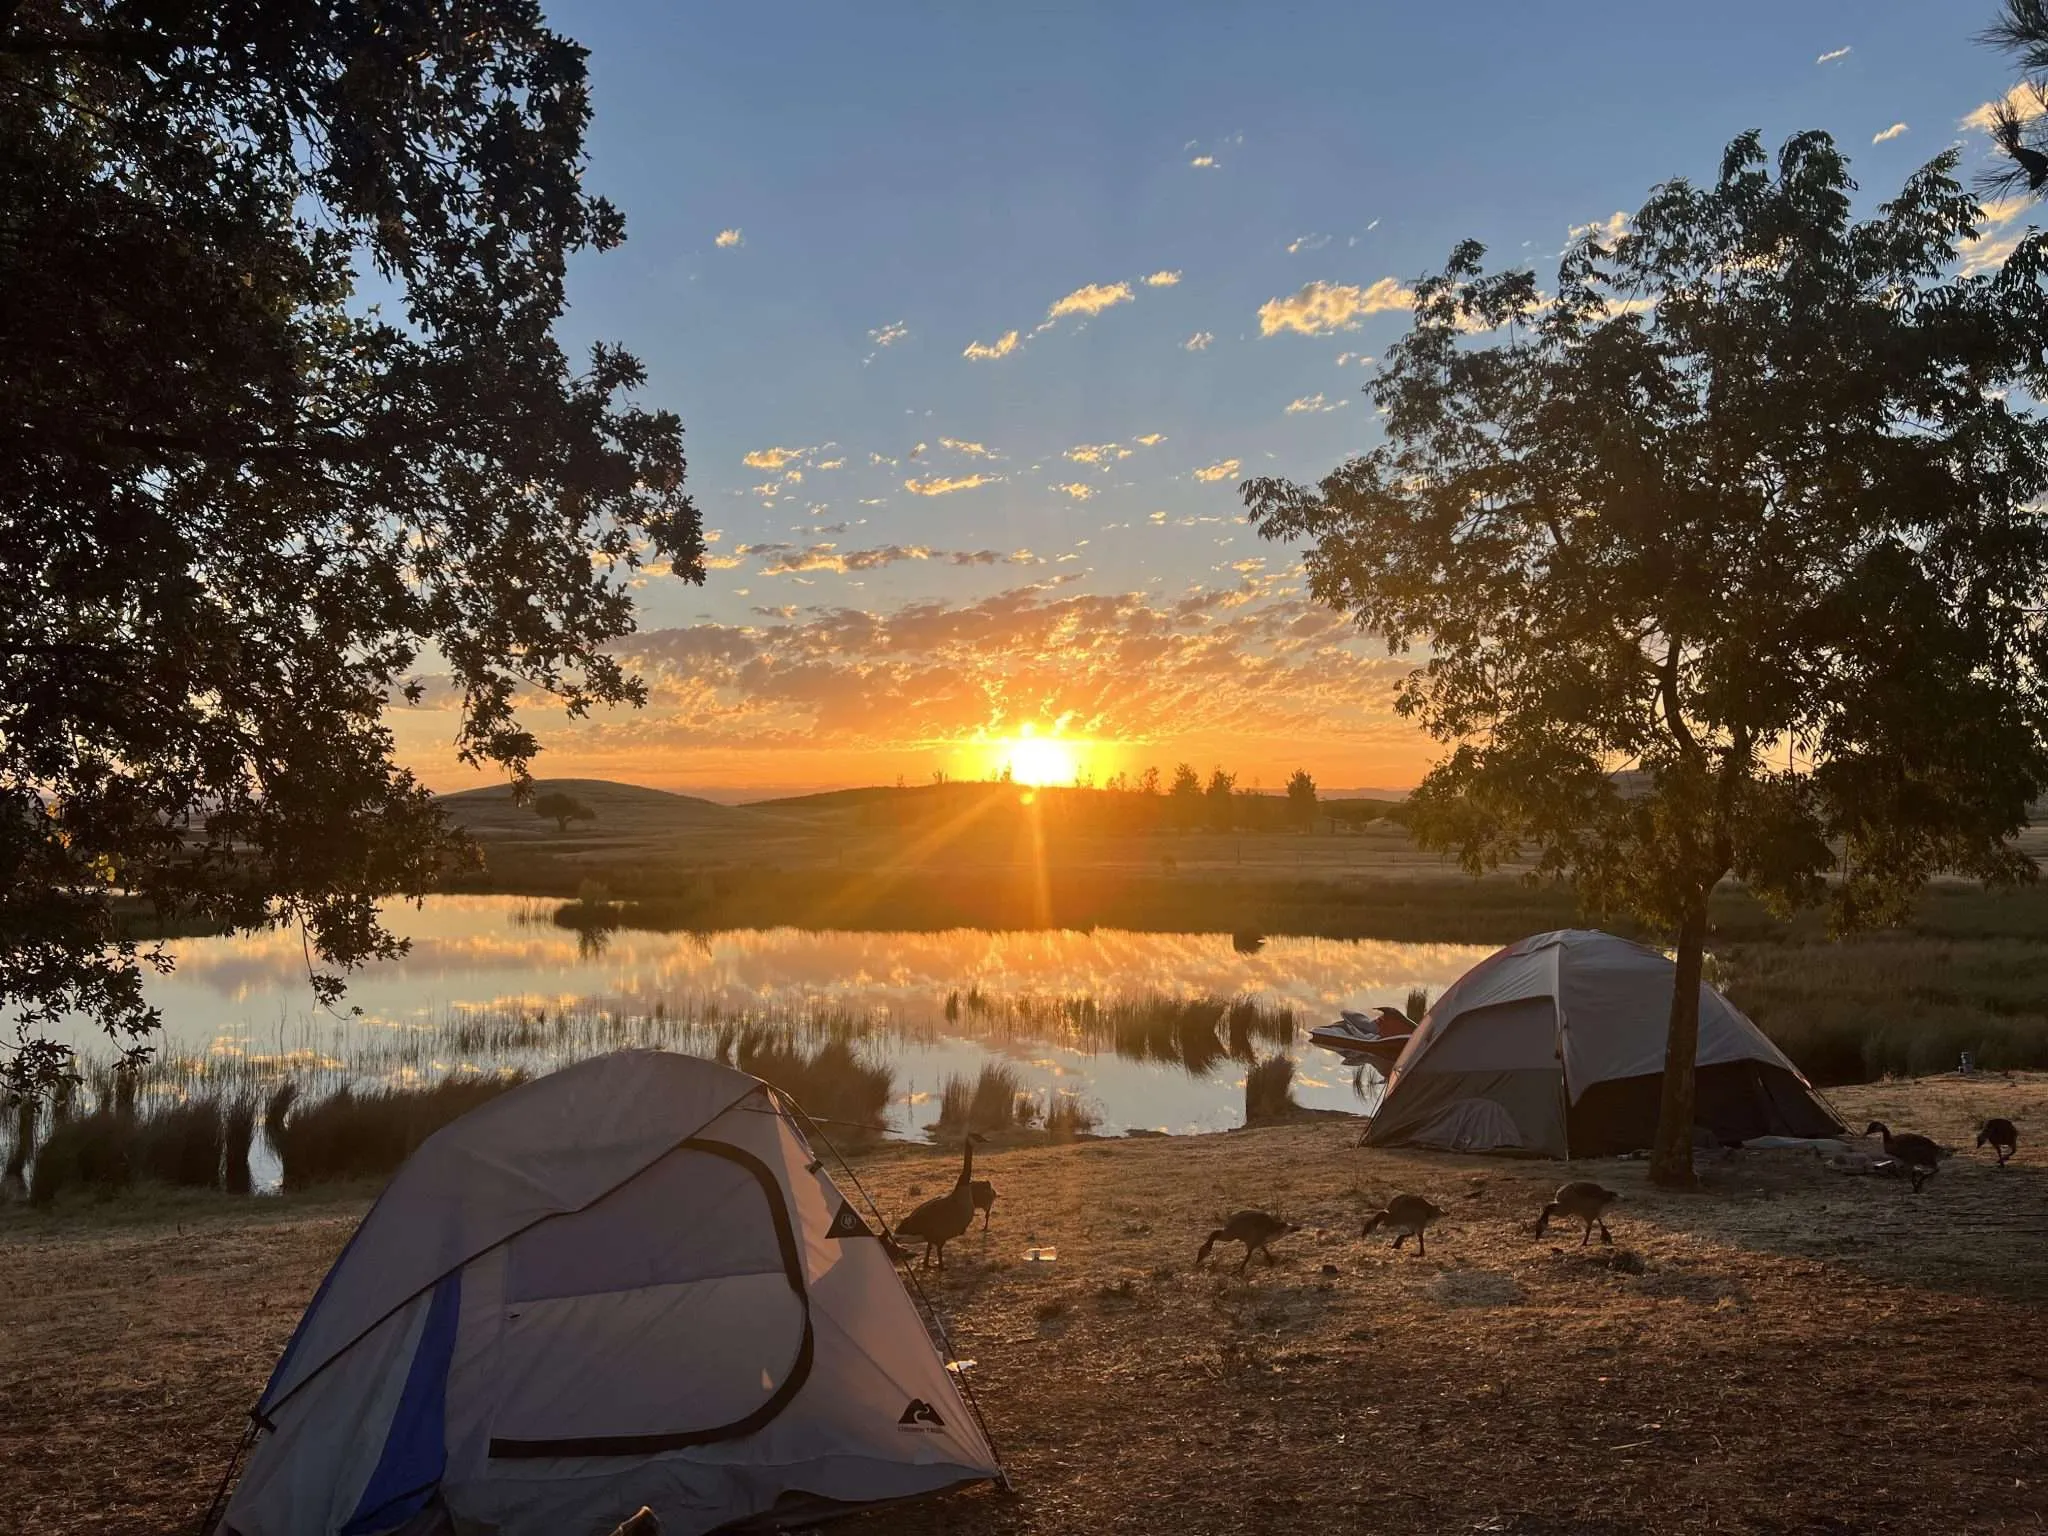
(1188,801)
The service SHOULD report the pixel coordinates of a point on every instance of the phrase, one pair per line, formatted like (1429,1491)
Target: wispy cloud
(1098,453)
(1897,130)
(1162,279)
(1199,342)
(1320,307)
(1224,471)
(1832,55)
(1076,490)
(1310,404)
(1151,440)
(1002,346)
(775,458)
(1346,359)
(788,561)
(888,335)
(2023,101)
(972,450)
(946,486)
(1306,243)
(1092,299)
(728,238)
(1203,162)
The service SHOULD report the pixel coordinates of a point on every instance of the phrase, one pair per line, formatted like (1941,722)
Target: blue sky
(907,181)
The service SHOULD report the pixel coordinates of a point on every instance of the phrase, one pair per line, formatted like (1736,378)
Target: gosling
(2001,1136)
(1409,1216)
(1918,1155)
(1255,1229)
(1585,1200)
(984,1200)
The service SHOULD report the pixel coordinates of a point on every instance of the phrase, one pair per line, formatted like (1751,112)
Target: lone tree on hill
(1750,509)
(241,511)
(1301,798)
(562,809)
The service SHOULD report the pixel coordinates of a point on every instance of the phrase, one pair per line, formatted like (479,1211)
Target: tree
(1221,811)
(243,513)
(562,809)
(2019,120)
(1301,798)
(1746,510)
(1148,782)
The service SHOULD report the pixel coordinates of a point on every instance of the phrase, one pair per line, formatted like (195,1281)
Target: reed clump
(1269,1088)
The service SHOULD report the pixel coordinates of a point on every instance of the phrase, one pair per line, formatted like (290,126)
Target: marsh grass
(181,1143)
(829,1081)
(994,1100)
(368,1133)
(1269,1088)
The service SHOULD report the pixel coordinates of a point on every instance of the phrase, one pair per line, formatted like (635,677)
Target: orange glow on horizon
(1034,759)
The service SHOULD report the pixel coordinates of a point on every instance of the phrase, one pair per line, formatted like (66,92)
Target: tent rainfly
(1554,1047)
(628,1283)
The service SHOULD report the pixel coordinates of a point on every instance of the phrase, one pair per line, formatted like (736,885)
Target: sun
(1036,760)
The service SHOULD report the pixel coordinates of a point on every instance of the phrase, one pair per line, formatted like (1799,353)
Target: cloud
(1309,404)
(888,335)
(1321,307)
(1151,440)
(1896,130)
(946,487)
(1203,162)
(1092,299)
(774,458)
(2023,101)
(1076,490)
(1003,346)
(830,464)
(1345,359)
(1832,55)
(728,238)
(972,450)
(787,561)
(1606,231)
(1224,471)
(1199,342)
(1307,243)
(1989,250)
(1162,279)
(1098,453)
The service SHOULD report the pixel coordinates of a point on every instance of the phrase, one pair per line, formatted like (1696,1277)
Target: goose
(2001,1136)
(938,1221)
(1255,1229)
(1585,1200)
(1918,1155)
(1409,1216)
(984,1200)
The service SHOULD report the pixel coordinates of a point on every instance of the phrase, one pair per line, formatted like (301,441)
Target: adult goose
(938,1221)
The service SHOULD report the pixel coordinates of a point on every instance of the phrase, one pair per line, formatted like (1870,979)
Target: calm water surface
(479,961)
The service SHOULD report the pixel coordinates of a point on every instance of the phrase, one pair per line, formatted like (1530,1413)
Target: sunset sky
(975,316)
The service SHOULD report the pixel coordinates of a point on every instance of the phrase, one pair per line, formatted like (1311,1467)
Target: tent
(1554,1047)
(626,1283)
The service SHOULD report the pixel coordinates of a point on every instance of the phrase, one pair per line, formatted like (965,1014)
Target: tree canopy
(1726,558)
(562,808)
(291,440)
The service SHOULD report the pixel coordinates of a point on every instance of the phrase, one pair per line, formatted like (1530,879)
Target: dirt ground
(1785,1350)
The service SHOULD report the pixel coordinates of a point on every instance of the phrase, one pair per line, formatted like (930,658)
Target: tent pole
(215,1509)
(966,1387)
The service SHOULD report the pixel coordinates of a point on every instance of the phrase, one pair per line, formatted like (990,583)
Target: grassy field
(1786,1350)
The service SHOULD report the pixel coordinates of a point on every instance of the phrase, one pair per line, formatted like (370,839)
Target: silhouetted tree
(1218,794)
(1301,798)
(1772,542)
(1148,782)
(2020,127)
(241,510)
(562,809)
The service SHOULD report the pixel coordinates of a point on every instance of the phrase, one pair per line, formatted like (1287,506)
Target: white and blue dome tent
(628,1283)
(1554,1047)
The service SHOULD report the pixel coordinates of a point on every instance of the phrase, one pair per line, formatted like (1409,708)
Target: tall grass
(994,1101)
(829,1081)
(1269,1088)
(183,1143)
(367,1134)
(1418,1003)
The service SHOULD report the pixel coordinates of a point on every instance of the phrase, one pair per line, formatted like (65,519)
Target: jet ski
(1373,1039)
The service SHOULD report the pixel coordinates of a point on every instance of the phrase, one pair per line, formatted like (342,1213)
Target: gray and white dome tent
(1554,1047)
(629,1282)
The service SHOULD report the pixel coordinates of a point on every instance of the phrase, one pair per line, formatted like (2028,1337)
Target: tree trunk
(1671,1157)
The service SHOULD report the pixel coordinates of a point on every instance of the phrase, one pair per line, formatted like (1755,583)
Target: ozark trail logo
(920,1415)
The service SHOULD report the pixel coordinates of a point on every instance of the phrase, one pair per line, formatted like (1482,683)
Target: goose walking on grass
(1409,1216)
(2001,1136)
(984,1200)
(1918,1155)
(1255,1229)
(1585,1201)
(938,1221)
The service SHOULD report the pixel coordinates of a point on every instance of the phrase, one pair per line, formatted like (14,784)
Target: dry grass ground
(1786,1350)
